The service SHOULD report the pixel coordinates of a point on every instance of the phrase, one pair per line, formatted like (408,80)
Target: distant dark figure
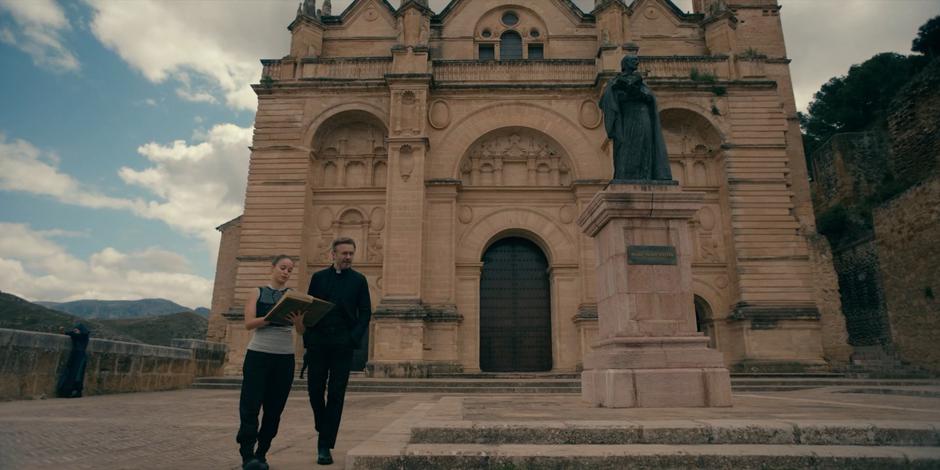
(73,377)
(631,120)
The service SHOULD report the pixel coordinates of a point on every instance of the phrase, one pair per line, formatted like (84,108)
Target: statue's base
(645,182)
(649,353)
(655,372)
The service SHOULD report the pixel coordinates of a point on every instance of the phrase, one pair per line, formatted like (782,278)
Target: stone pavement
(195,429)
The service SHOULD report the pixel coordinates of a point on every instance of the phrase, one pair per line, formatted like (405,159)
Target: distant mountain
(117,309)
(202,311)
(19,314)
(162,329)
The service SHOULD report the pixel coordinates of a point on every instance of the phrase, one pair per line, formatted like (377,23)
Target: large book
(313,308)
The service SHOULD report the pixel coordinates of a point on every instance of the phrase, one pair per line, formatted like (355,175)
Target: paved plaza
(195,429)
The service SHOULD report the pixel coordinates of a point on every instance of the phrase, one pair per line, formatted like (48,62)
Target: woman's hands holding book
(296,318)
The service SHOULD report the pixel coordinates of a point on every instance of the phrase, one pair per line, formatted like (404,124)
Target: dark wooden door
(515,308)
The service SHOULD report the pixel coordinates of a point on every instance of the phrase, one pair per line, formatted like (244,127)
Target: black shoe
(254,464)
(324,457)
(262,461)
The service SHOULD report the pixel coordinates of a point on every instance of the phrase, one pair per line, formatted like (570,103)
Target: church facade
(458,149)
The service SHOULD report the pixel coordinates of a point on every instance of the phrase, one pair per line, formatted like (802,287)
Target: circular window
(510,18)
(486,33)
(534,33)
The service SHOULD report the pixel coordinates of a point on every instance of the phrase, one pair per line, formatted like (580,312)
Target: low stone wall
(208,357)
(31,362)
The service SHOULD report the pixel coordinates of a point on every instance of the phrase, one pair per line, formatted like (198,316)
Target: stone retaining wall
(30,364)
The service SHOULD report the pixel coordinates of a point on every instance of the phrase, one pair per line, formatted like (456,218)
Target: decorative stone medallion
(589,114)
(371,14)
(566,214)
(439,114)
(465,215)
(324,219)
(378,219)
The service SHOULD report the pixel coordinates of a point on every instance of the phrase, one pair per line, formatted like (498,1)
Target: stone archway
(515,308)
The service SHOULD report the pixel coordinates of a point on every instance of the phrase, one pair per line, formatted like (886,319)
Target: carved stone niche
(350,152)
(515,156)
(694,146)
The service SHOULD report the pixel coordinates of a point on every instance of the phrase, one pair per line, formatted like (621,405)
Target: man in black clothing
(330,343)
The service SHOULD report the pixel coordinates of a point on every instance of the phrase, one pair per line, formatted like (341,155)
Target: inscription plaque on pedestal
(651,254)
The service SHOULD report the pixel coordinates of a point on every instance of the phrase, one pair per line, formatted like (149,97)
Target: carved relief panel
(515,156)
(351,155)
(364,225)
(409,108)
(694,157)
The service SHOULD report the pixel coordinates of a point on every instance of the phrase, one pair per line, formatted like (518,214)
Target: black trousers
(266,382)
(326,384)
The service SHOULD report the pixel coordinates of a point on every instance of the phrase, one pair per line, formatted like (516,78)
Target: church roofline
(341,18)
(414,4)
(573,9)
(228,224)
(680,14)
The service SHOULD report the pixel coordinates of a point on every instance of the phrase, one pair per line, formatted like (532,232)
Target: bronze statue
(632,123)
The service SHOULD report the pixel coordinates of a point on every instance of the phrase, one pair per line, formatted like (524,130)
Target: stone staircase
(703,444)
(569,383)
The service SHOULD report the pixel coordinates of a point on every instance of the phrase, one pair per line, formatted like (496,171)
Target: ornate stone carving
(465,215)
(515,157)
(378,219)
(374,248)
(406,161)
(350,155)
(566,214)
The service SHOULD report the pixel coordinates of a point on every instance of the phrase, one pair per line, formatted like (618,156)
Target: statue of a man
(632,123)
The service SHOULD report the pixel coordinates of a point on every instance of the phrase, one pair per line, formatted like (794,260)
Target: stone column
(647,353)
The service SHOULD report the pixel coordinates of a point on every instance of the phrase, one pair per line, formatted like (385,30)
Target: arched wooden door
(515,308)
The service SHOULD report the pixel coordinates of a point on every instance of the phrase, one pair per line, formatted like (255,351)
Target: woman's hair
(278,258)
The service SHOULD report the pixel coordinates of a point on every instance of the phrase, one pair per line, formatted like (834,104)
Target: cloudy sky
(124,127)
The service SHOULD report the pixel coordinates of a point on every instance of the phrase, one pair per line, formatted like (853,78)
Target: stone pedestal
(648,352)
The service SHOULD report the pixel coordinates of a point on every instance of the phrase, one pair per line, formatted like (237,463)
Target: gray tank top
(271,339)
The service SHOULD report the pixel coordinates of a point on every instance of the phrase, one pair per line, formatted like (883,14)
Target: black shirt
(348,321)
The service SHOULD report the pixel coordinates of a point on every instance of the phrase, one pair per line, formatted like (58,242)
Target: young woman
(268,371)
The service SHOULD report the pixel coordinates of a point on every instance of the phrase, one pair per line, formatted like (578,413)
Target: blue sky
(124,128)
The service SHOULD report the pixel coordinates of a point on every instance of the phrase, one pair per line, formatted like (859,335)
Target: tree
(858,100)
(927,41)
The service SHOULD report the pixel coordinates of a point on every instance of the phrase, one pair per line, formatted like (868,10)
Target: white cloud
(36,268)
(197,186)
(24,168)
(193,187)
(40,26)
(217,42)
(196,97)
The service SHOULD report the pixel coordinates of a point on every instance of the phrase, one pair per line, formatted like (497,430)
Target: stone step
(643,456)
(520,385)
(709,431)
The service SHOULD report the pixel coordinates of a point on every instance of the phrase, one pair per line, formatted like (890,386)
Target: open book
(314,309)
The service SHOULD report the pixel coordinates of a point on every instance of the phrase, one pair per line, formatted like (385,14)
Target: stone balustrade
(511,71)
(31,362)
(491,71)
(681,67)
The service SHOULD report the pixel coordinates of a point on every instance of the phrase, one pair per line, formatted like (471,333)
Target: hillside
(117,309)
(161,329)
(19,314)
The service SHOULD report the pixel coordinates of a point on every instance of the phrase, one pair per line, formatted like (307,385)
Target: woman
(268,370)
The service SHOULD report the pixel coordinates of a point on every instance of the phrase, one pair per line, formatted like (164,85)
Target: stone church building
(458,149)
